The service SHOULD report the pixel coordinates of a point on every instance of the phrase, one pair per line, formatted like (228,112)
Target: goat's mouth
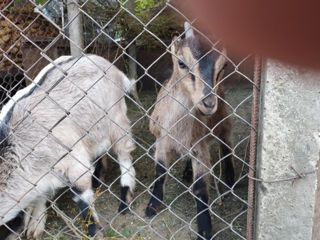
(207,111)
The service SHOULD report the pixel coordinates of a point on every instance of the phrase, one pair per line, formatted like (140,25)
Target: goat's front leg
(201,175)
(84,200)
(14,228)
(162,161)
(81,177)
(36,218)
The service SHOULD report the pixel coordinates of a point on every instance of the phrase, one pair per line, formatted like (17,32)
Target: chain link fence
(152,143)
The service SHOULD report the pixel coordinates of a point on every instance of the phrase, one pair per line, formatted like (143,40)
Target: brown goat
(188,113)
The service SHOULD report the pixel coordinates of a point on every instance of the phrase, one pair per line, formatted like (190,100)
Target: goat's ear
(224,56)
(175,44)
(188,30)
(222,60)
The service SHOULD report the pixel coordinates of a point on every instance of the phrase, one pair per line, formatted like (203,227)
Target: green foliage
(126,233)
(40,2)
(112,234)
(11,9)
(126,27)
(18,3)
(163,26)
(141,5)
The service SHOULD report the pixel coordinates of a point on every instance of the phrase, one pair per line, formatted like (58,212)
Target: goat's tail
(130,87)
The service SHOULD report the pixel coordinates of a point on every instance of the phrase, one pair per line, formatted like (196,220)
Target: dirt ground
(177,220)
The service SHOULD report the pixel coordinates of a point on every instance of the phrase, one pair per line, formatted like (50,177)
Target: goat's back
(79,105)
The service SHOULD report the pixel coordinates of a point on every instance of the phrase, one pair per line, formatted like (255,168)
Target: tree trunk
(75,28)
(132,50)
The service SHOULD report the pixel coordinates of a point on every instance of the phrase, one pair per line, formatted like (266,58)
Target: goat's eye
(182,64)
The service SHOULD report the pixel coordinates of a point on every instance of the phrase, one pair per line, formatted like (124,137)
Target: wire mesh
(74,133)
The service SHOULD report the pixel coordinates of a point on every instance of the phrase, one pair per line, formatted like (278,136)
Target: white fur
(102,147)
(127,174)
(35,222)
(88,197)
(95,75)
(129,84)
(6,108)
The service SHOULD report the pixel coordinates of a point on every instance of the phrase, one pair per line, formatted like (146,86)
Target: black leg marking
(157,192)
(89,221)
(187,173)
(203,216)
(228,165)
(123,208)
(15,225)
(97,174)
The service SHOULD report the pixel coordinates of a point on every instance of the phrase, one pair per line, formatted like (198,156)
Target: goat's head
(199,68)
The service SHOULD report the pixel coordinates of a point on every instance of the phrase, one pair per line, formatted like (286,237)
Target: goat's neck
(179,96)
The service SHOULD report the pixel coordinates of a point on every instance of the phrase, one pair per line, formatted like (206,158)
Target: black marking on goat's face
(199,68)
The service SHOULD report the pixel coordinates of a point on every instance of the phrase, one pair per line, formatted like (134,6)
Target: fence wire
(144,133)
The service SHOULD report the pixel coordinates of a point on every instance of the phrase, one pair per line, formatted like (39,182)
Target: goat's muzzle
(208,105)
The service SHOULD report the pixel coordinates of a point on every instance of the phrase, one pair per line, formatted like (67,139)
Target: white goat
(52,130)
(188,110)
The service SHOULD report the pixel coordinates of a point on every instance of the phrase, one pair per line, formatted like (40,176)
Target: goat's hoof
(204,234)
(123,208)
(94,231)
(35,229)
(98,236)
(207,237)
(151,211)
(37,234)
(201,238)
(229,182)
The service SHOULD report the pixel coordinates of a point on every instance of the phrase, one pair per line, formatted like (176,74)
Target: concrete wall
(289,135)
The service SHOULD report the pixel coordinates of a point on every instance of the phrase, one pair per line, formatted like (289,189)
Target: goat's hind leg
(187,173)
(123,150)
(100,171)
(224,135)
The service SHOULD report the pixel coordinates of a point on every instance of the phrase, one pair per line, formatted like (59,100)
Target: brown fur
(188,131)
(190,112)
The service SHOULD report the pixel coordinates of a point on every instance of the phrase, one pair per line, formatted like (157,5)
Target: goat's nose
(209,101)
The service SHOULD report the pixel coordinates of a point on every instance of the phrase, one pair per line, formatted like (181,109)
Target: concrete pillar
(289,140)
(75,28)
